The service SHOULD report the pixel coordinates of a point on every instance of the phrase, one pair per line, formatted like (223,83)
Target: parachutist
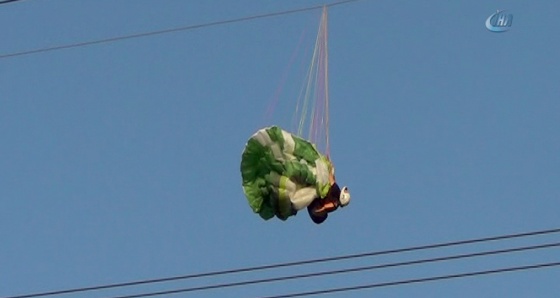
(320,207)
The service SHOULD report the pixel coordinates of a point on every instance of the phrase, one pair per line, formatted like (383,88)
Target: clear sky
(120,161)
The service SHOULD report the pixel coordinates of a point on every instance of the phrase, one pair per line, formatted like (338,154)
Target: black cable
(290,264)
(9,1)
(418,280)
(332,272)
(184,28)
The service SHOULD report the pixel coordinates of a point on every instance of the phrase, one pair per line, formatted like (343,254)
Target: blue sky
(120,161)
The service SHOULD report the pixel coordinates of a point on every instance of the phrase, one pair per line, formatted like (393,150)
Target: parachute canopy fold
(282,173)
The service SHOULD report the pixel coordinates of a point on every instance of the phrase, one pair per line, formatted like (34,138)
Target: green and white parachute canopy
(282,173)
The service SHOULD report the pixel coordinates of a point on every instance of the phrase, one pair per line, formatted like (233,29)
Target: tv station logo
(500,21)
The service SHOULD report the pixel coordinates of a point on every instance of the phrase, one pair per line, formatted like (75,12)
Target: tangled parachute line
(310,118)
(312,107)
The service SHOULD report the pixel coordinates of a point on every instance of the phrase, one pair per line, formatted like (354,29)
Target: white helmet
(344,196)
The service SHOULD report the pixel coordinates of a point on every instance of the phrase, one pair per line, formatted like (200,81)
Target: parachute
(283,173)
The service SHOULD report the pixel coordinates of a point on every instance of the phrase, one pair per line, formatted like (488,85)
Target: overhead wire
(418,280)
(165,31)
(341,271)
(8,1)
(292,264)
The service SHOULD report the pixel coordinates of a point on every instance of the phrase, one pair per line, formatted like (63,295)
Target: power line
(9,1)
(333,272)
(418,280)
(291,264)
(165,31)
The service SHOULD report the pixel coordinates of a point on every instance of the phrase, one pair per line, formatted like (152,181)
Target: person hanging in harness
(320,207)
(283,174)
